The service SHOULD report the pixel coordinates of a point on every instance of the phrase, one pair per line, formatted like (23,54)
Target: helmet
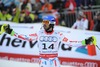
(49,18)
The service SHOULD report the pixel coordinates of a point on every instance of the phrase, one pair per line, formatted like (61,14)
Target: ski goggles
(45,22)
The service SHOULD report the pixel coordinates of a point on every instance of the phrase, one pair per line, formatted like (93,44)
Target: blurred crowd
(28,12)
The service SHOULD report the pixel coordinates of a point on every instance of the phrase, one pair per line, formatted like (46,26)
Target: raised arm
(75,43)
(6,28)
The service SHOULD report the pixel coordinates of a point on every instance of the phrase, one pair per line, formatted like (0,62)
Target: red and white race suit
(48,44)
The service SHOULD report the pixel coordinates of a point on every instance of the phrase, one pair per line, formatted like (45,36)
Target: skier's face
(45,24)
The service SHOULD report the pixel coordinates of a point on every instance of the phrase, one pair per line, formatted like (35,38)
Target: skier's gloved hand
(90,40)
(5,28)
(2,30)
(8,29)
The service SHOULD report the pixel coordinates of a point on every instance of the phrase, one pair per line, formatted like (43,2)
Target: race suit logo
(48,39)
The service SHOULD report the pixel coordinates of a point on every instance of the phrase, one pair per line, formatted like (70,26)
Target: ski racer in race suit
(48,41)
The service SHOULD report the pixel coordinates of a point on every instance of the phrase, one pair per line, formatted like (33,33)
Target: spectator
(4,15)
(1,5)
(81,23)
(76,25)
(15,15)
(21,17)
(70,5)
(47,6)
(30,14)
(97,23)
(58,5)
(11,7)
(37,5)
(27,18)
(24,4)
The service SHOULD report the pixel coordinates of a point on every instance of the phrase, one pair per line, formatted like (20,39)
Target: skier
(48,39)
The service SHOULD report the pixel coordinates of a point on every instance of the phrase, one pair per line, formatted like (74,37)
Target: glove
(2,28)
(87,41)
(5,28)
(90,40)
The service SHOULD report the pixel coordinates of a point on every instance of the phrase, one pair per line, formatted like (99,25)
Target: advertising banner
(16,49)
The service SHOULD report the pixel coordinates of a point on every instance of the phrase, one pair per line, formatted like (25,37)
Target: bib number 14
(49,47)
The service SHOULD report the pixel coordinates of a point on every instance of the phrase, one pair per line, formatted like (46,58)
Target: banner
(16,49)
